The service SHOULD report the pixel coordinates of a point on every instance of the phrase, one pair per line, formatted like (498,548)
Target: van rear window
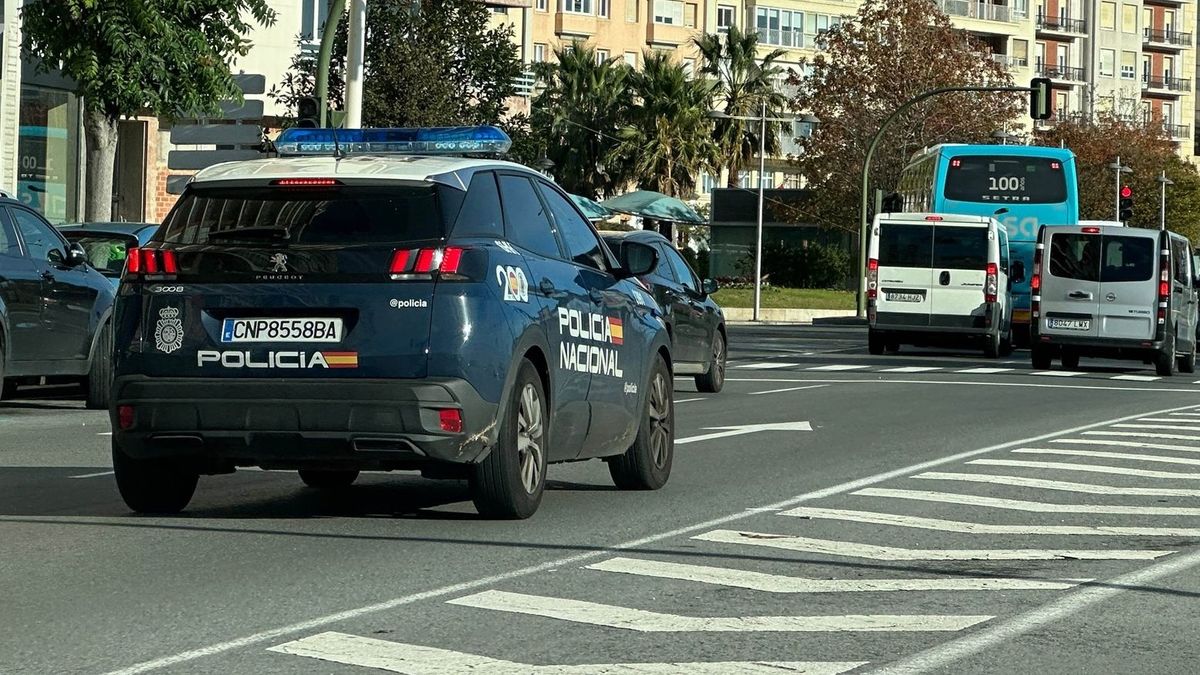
(344,215)
(960,248)
(1106,259)
(906,245)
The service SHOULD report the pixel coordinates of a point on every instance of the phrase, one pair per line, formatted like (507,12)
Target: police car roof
(455,171)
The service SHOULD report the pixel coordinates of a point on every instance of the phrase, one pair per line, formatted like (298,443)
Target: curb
(776,315)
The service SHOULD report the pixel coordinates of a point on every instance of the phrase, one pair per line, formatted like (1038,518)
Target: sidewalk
(735,315)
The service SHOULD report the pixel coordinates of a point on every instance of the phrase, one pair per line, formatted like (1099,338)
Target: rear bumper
(291,423)
(1119,348)
(965,325)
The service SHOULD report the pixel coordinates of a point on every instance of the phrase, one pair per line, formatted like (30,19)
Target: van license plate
(281,330)
(904,297)
(1069,324)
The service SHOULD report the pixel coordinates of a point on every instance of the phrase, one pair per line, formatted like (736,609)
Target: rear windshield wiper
(279,233)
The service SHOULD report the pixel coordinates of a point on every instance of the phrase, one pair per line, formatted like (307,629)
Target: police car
(372,300)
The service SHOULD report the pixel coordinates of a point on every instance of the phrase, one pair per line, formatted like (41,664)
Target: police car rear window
(343,215)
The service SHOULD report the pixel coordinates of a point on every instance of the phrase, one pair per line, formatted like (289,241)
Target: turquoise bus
(1023,186)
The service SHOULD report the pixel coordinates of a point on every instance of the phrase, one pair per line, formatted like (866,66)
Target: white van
(1115,292)
(939,278)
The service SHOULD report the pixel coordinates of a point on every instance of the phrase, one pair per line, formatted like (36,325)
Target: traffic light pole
(327,37)
(864,226)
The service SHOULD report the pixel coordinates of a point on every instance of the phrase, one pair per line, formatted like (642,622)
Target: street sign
(199,159)
(251,109)
(251,84)
(216,134)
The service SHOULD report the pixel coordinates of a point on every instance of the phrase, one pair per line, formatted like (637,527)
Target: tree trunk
(101,136)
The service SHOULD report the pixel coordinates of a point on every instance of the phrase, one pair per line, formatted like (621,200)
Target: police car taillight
(147,262)
(992,283)
(424,263)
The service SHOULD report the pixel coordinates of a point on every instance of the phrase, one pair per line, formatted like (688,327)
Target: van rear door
(1128,295)
(1071,282)
(905,276)
(960,258)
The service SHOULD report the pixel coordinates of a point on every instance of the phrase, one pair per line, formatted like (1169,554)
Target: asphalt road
(944,514)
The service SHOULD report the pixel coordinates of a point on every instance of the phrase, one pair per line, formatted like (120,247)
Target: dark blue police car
(376,306)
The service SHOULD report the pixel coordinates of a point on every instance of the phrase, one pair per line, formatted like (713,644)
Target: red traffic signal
(1126,192)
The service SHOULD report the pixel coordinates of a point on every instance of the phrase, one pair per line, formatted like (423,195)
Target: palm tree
(743,83)
(581,107)
(668,139)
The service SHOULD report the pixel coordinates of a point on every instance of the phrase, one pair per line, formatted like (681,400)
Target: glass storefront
(48,152)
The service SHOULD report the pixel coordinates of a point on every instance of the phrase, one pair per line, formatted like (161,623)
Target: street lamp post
(1163,181)
(762,169)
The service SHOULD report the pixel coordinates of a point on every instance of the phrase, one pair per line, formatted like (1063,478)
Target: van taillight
(1164,291)
(147,262)
(1035,285)
(992,283)
(872,278)
(424,263)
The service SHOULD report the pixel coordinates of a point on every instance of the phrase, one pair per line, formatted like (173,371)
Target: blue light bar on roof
(407,141)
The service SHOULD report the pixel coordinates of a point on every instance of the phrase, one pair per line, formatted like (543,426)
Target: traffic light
(308,112)
(1039,98)
(1126,204)
(893,203)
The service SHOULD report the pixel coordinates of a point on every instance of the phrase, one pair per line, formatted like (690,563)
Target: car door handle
(1079,295)
(546,287)
(944,279)
(596,296)
(48,275)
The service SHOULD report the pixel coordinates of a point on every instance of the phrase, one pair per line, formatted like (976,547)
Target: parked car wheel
(714,379)
(100,373)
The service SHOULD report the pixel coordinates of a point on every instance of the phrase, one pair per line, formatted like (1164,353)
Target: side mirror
(1017,271)
(76,256)
(709,286)
(638,259)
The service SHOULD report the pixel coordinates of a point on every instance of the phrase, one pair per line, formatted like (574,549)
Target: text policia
(596,331)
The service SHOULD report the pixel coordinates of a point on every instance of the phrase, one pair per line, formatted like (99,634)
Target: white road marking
(1142,434)
(937,524)
(1136,378)
(780,391)
(851,549)
(689,400)
(745,429)
(837,367)
(104,433)
(1090,468)
(397,657)
(308,625)
(941,656)
(767,365)
(1128,444)
(984,371)
(911,369)
(775,583)
(1057,373)
(1187,413)
(1167,427)
(94,475)
(1038,483)
(1024,505)
(1173,420)
(645,621)
(1109,455)
(972,383)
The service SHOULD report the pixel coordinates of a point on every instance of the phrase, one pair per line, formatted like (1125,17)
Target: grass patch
(786,298)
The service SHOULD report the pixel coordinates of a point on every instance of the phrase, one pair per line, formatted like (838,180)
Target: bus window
(1005,180)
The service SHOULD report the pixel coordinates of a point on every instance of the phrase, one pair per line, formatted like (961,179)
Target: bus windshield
(1005,180)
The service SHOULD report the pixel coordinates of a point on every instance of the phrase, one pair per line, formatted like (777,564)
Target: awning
(654,205)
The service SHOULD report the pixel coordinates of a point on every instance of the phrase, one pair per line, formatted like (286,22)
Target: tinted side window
(39,237)
(582,244)
(1128,259)
(525,217)
(664,269)
(1180,255)
(960,248)
(682,271)
(1075,256)
(8,238)
(906,246)
(480,215)
(1003,250)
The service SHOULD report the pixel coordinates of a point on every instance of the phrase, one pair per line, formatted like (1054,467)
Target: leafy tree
(889,52)
(580,109)
(1141,145)
(744,81)
(129,57)
(668,139)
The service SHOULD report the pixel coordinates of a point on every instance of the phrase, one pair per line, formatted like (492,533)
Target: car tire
(875,342)
(1006,344)
(1187,364)
(991,349)
(153,485)
(510,481)
(712,381)
(1165,361)
(1040,357)
(327,479)
(100,372)
(1070,360)
(646,465)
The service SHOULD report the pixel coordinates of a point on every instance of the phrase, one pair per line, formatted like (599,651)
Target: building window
(1128,65)
(313,14)
(725,17)
(577,6)
(539,53)
(48,152)
(792,181)
(499,9)
(767,181)
(689,15)
(1129,18)
(669,12)
(601,55)
(780,27)
(631,11)
(1020,53)
(631,59)
(707,182)
(1146,64)
(602,8)
(1108,62)
(542,5)
(1108,15)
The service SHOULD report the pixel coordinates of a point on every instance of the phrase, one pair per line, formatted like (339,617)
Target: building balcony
(1061,25)
(572,24)
(1172,40)
(1177,132)
(1068,74)
(972,9)
(1010,61)
(525,84)
(1170,86)
(788,39)
(673,34)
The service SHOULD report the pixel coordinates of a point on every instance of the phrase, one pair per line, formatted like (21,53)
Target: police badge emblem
(168,334)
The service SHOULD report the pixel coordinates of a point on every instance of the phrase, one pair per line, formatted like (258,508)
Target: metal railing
(1055,71)
(525,84)
(1177,130)
(1167,83)
(973,9)
(784,38)
(1062,24)
(1168,37)
(1010,61)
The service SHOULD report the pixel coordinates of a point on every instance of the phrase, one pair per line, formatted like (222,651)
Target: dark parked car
(695,321)
(54,308)
(106,244)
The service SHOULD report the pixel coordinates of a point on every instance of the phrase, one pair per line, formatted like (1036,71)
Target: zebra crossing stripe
(1038,483)
(911,369)
(1024,505)
(766,365)
(1144,434)
(836,367)
(1172,420)
(1109,455)
(937,524)
(397,657)
(775,583)
(1127,444)
(984,371)
(1165,427)
(1056,373)
(646,621)
(1136,378)
(892,553)
(1090,468)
